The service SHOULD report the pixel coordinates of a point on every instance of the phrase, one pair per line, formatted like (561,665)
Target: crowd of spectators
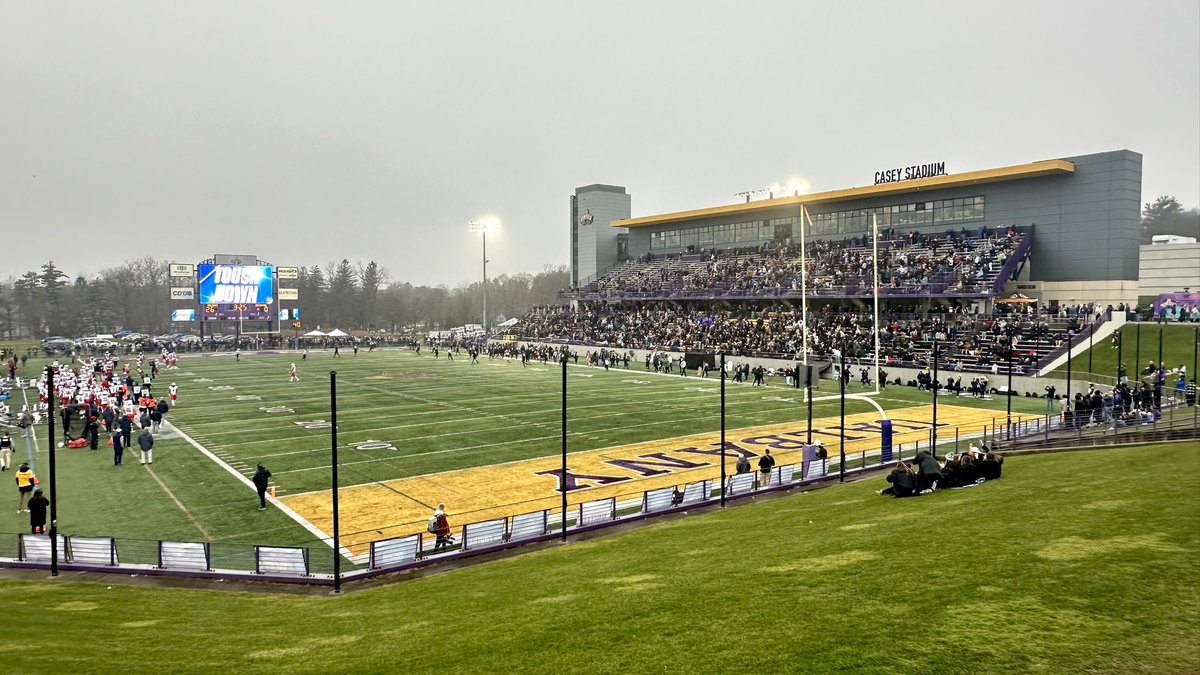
(956,262)
(966,341)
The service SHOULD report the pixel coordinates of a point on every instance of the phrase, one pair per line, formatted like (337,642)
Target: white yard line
(203,532)
(250,484)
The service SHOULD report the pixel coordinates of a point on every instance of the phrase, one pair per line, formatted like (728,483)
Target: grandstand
(1060,235)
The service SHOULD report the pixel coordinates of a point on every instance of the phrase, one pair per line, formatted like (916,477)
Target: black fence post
(1008,407)
(722,432)
(52,397)
(933,428)
(1069,341)
(564,447)
(337,534)
(1137,353)
(842,422)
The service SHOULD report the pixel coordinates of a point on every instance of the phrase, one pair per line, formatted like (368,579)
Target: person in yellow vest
(25,482)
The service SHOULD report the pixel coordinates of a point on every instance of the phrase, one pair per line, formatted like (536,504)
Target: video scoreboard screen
(240,285)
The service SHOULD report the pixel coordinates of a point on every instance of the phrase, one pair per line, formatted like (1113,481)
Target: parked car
(59,345)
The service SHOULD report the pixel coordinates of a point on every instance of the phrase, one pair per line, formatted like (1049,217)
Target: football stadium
(722,357)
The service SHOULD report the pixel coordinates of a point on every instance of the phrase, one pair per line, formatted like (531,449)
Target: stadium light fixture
(483,226)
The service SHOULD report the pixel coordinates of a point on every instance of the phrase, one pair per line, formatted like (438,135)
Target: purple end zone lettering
(642,466)
(833,431)
(775,442)
(572,480)
(731,449)
(916,425)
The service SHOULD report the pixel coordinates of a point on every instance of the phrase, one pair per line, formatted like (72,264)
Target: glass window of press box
(853,221)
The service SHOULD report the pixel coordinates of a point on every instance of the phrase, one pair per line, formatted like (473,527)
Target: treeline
(135,296)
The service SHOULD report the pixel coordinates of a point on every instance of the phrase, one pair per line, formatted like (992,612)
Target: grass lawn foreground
(1073,562)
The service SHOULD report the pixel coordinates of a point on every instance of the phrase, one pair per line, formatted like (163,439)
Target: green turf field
(416,415)
(1072,563)
(1178,347)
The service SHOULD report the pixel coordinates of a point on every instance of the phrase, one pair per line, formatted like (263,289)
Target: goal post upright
(875,274)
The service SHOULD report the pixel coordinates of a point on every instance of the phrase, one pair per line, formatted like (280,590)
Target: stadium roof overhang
(1048,167)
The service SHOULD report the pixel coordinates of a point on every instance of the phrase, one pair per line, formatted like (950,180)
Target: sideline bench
(281,560)
(742,482)
(392,552)
(695,492)
(657,500)
(180,555)
(92,550)
(528,525)
(36,548)
(482,534)
(599,511)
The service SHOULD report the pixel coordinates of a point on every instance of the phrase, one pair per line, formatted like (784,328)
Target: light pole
(483,227)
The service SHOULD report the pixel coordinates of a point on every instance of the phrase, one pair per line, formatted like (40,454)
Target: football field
(414,431)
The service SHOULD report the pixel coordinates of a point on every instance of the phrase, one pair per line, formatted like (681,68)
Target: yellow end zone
(396,508)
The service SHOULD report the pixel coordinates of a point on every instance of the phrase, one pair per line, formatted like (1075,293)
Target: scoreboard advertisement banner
(180,270)
(244,286)
(183,315)
(287,272)
(289,294)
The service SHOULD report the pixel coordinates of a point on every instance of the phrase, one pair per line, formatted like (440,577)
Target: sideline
(300,520)
(30,450)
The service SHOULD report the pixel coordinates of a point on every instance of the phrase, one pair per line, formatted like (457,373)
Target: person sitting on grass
(991,466)
(903,481)
(929,472)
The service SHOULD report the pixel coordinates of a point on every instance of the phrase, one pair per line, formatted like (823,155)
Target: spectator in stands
(903,482)
(441,529)
(261,479)
(37,512)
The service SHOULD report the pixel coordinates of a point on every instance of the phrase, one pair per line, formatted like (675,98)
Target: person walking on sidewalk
(440,526)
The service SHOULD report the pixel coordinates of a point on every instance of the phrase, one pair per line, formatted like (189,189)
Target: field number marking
(314,424)
(276,409)
(372,445)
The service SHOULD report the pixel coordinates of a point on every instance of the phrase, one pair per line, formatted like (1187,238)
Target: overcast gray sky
(310,131)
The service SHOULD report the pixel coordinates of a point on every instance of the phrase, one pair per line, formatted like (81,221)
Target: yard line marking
(30,450)
(250,484)
(203,532)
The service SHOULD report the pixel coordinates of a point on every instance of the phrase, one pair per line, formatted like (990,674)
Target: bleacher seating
(954,263)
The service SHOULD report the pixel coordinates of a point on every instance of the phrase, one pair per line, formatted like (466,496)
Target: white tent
(314,333)
(337,332)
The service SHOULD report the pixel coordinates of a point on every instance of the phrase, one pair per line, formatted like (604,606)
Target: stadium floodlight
(483,226)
